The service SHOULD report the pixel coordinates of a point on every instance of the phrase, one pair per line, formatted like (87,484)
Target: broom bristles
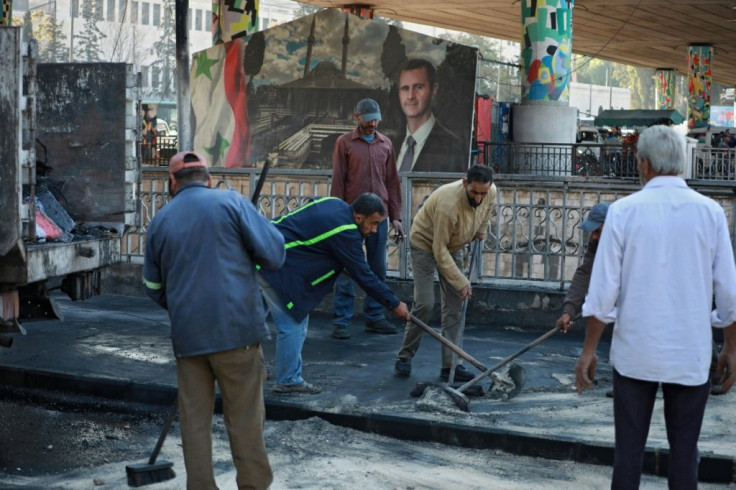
(141,474)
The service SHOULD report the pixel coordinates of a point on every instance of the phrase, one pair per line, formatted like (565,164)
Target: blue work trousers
(344,295)
(290,335)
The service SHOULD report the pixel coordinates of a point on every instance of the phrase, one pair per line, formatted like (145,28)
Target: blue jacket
(201,251)
(322,239)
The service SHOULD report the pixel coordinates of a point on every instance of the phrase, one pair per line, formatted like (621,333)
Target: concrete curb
(714,468)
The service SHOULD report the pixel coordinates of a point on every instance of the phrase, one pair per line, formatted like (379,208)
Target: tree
(49,35)
(165,49)
(498,73)
(641,83)
(305,9)
(88,40)
(597,72)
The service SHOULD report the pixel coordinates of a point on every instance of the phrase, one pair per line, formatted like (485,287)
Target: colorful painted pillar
(232,19)
(545,115)
(7,17)
(546,49)
(699,85)
(665,84)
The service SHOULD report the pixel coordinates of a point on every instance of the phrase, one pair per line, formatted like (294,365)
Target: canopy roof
(650,33)
(637,117)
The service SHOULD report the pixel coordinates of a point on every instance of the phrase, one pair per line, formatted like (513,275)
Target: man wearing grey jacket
(200,264)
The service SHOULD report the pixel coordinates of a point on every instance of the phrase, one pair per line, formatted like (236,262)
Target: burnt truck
(69,174)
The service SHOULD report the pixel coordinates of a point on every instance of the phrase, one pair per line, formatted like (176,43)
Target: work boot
(340,331)
(301,389)
(380,326)
(461,374)
(403,367)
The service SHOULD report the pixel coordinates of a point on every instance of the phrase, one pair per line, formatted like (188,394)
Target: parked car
(589,134)
(163,128)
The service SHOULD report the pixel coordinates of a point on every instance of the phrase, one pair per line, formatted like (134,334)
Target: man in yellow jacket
(453,216)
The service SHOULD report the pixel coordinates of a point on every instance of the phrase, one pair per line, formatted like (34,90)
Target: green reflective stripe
(298,210)
(321,237)
(152,285)
(320,279)
(289,305)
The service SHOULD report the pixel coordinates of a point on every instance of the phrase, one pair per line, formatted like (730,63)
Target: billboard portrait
(291,90)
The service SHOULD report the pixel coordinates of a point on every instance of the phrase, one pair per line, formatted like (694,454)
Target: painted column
(545,115)
(665,82)
(232,19)
(7,17)
(546,49)
(699,85)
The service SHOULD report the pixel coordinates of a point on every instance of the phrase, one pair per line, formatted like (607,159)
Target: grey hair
(664,147)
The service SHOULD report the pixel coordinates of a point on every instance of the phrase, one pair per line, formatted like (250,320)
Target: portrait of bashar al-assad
(425,145)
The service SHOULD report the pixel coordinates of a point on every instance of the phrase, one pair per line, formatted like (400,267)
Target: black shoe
(340,331)
(609,393)
(461,374)
(403,367)
(380,326)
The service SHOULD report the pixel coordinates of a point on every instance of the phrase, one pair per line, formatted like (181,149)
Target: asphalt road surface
(73,442)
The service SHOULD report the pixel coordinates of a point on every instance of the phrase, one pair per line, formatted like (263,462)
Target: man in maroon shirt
(364,161)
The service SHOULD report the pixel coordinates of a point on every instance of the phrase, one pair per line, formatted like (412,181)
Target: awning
(637,117)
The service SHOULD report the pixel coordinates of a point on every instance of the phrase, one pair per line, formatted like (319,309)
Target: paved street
(118,347)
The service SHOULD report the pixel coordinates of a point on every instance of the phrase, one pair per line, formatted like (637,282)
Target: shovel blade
(518,376)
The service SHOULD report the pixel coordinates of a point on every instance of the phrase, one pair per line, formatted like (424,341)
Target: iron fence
(533,235)
(714,163)
(159,151)
(581,159)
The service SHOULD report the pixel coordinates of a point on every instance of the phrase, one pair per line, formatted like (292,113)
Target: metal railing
(594,160)
(159,152)
(585,160)
(533,235)
(714,164)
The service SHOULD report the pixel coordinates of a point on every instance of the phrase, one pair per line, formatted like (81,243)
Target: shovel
(515,371)
(458,397)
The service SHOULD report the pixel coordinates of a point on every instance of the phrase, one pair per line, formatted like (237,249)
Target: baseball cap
(596,217)
(186,159)
(368,110)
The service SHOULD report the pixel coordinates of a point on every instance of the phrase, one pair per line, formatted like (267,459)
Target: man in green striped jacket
(322,238)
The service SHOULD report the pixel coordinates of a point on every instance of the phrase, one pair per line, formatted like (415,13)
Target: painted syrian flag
(219,105)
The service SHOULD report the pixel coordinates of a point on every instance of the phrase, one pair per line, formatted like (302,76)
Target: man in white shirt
(427,145)
(663,255)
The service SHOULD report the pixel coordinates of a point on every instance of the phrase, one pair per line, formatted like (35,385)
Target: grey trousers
(424,267)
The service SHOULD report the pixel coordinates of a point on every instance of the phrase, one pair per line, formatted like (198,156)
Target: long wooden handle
(164,431)
(454,348)
(490,371)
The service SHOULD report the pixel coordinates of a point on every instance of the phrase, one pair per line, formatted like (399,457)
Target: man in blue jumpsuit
(322,239)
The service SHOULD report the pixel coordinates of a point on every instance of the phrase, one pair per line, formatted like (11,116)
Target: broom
(140,474)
